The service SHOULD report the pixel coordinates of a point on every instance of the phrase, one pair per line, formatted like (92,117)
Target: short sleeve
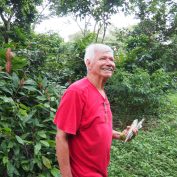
(69,113)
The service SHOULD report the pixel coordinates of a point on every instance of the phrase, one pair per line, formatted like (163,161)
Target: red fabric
(85,114)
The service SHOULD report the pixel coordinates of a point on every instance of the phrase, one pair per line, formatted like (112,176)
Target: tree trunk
(98,31)
(104,32)
(6,31)
(6,28)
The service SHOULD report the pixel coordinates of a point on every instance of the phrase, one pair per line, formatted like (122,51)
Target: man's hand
(125,132)
(115,134)
(122,135)
(118,135)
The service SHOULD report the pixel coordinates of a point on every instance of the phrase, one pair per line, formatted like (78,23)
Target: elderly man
(84,119)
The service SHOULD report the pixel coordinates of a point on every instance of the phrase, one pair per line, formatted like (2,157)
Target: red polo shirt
(86,115)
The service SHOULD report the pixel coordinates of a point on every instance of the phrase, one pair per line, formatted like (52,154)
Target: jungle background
(35,69)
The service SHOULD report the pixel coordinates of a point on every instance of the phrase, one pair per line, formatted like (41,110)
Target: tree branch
(78,25)
(3,18)
(40,13)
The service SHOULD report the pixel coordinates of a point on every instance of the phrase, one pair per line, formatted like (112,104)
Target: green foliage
(75,60)
(42,54)
(18,63)
(100,10)
(51,48)
(152,153)
(152,54)
(19,35)
(157,17)
(152,44)
(27,108)
(67,64)
(137,94)
(17,17)
(17,10)
(141,50)
(145,72)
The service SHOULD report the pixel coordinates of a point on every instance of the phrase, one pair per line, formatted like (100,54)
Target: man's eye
(102,58)
(111,58)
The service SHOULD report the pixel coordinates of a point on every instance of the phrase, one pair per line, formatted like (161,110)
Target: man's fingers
(135,131)
(128,127)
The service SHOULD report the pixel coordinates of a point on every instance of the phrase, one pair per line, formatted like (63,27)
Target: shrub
(137,94)
(27,108)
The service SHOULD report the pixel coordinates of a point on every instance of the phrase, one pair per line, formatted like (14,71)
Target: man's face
(102,65)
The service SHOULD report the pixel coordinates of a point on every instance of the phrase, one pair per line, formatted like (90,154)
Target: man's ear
(87,63)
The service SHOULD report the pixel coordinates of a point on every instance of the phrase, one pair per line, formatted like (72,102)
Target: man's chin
(107,76)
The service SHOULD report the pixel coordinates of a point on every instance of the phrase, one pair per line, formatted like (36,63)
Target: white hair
(92,48)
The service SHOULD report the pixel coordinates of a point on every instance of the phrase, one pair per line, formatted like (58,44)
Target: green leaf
(5,160)
(7,129)
(11,145)
(52,109)
(41,175)
(7,99)
(30,115)
(10,169)
(37,148)
(42,134)
(55,172)
(30,82)
(2,83)
(22,113)
(46,105)
(44,82)
(46,162)
(7,90)
(24,106)
(41,98)
(45,143)
(19,140)
(15,80)
(26,167)
(30,88)
(38,162)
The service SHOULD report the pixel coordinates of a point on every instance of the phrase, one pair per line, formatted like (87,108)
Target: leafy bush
(42,50)
(137,94)
(72,59)
(135,48)
(27,108)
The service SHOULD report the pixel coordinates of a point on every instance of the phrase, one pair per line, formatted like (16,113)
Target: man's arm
(62,152)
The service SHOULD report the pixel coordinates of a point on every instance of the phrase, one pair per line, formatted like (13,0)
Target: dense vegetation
(36,68)
(153,152)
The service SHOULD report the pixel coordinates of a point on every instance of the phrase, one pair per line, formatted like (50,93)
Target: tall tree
(152,44)
(100,10)
(157,17)
(17,13)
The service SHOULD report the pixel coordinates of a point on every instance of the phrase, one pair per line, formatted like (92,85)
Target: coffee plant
(27,133)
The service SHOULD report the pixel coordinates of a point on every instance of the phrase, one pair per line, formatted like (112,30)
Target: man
(84,119)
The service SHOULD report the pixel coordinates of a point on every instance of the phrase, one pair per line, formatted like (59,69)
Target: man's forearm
(62,151)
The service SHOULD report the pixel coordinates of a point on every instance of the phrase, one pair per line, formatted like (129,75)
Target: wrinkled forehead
(104,53)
